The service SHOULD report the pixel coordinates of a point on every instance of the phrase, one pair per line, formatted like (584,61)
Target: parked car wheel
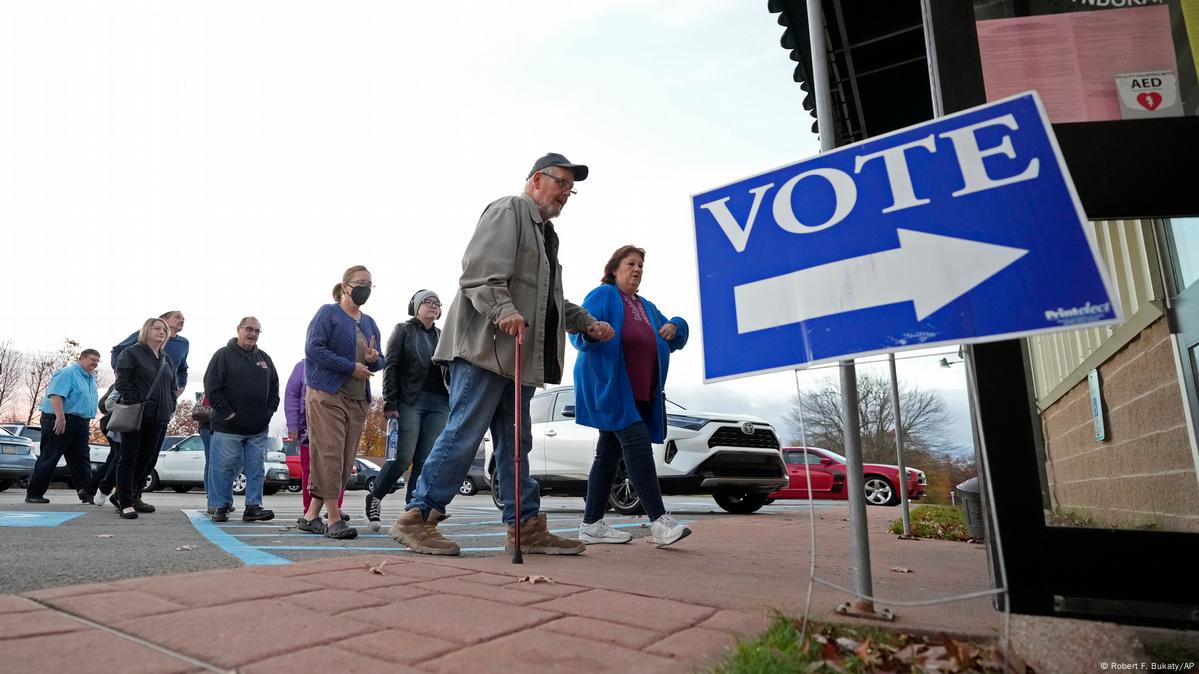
(879,491)
(370,484)
(468,488)
(740,504)
(623,498)
(181,488)
(495,488)
(239,484)
(270,491)
(295,488)
(5,484)
(151,483)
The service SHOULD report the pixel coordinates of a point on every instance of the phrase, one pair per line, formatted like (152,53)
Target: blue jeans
(229,450)
(479,400)
(420,424)
(632,443)
(206,438)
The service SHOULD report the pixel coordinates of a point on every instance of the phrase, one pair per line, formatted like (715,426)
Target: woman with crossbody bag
(145,377)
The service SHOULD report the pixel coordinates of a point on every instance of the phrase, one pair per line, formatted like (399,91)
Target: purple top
(294,407)
(640,346)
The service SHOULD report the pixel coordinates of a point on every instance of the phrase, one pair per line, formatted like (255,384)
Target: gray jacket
(505,270)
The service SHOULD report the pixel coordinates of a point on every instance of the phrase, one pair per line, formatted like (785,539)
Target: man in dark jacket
(243,391)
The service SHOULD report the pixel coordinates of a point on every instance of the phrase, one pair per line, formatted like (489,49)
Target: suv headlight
(684,421)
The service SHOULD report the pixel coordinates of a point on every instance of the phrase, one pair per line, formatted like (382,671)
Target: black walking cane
(517,558)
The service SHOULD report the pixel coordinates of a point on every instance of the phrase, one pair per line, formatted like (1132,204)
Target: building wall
(1143,474)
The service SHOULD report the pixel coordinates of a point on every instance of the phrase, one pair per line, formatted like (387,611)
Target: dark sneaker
(40,500)
(143,507)
(113,500)
(211,510)
(313,526)
(373,511)
(256,513)
(342,531)
(84,497)
(221,515)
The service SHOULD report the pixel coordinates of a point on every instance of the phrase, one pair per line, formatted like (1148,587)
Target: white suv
(733,457)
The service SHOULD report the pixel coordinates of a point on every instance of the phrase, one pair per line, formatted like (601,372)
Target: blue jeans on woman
(633,444)
(479,400)
(420,423)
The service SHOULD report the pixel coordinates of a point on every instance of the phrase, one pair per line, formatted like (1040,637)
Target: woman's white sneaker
(600,532)
(666,531)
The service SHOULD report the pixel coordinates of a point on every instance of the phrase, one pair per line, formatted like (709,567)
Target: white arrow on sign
(927,270)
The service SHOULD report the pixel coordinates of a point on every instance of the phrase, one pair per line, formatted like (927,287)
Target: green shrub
(933,521)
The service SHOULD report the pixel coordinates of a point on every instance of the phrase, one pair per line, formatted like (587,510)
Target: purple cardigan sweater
(330,347)
(294,406)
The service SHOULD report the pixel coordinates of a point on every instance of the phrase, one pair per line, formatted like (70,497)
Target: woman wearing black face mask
(340,354)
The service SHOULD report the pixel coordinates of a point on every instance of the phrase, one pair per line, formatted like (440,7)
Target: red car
(827,470)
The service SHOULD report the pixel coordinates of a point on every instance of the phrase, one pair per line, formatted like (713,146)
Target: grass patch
(1171,652)
(853,650)
(1070,518)
(932,521)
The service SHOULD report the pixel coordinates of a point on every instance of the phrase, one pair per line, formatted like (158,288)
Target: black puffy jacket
(409,357)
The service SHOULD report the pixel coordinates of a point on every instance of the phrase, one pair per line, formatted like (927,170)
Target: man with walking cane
(510,293)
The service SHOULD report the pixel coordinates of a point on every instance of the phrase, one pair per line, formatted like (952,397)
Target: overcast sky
(229,159)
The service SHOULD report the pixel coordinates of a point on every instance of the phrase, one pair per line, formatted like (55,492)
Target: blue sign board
(959,230)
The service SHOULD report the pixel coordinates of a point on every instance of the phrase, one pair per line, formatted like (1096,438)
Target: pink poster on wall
(1072,59)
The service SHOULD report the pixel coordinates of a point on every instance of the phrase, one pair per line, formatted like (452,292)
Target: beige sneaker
(421,535)
(536,539)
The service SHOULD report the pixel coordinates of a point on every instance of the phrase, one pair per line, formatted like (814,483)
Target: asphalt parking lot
(66,543)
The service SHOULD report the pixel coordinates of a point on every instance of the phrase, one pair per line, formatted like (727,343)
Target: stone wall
(1143,475)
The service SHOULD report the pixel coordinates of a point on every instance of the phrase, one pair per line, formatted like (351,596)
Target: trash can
(973,503)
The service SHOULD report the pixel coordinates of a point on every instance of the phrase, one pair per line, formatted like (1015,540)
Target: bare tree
(40,366)
(12,367)
(923,412)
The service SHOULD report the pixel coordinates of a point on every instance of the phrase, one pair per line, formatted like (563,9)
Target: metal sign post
(903,471)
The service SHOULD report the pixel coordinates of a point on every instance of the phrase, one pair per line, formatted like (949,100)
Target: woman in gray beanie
(414,393)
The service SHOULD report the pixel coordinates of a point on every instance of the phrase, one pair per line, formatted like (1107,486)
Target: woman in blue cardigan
(618,390)
(340,354)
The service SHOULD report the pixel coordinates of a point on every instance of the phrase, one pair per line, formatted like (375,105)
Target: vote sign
(959,230)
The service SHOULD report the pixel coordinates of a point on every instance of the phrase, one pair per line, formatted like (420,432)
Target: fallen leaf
(376,569)
(183,548)
(287,528)
(900,569)
(103,535)
(533,580)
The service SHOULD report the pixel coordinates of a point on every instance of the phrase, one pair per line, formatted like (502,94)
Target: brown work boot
(421,535)
(536,539)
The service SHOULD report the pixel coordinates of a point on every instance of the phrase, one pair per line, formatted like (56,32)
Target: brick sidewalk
(417,616)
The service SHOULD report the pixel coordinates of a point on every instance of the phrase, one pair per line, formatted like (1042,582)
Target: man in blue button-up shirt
(67,411)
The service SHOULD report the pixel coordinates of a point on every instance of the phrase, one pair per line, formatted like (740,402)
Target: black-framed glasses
(432,303)
(561,182)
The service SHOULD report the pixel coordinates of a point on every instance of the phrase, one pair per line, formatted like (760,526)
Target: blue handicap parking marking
(248,543)
(36,519)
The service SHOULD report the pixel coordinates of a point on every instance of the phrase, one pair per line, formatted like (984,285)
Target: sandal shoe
(313,526)
(129,514)
(341,531)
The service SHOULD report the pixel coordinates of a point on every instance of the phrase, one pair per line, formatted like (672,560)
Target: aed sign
(1149,94)
(963,229)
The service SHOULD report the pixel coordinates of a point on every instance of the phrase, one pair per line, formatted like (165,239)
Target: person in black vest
(414,394)
(243,389)
(145,375)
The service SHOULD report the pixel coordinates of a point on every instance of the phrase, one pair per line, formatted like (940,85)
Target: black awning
(878,69)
